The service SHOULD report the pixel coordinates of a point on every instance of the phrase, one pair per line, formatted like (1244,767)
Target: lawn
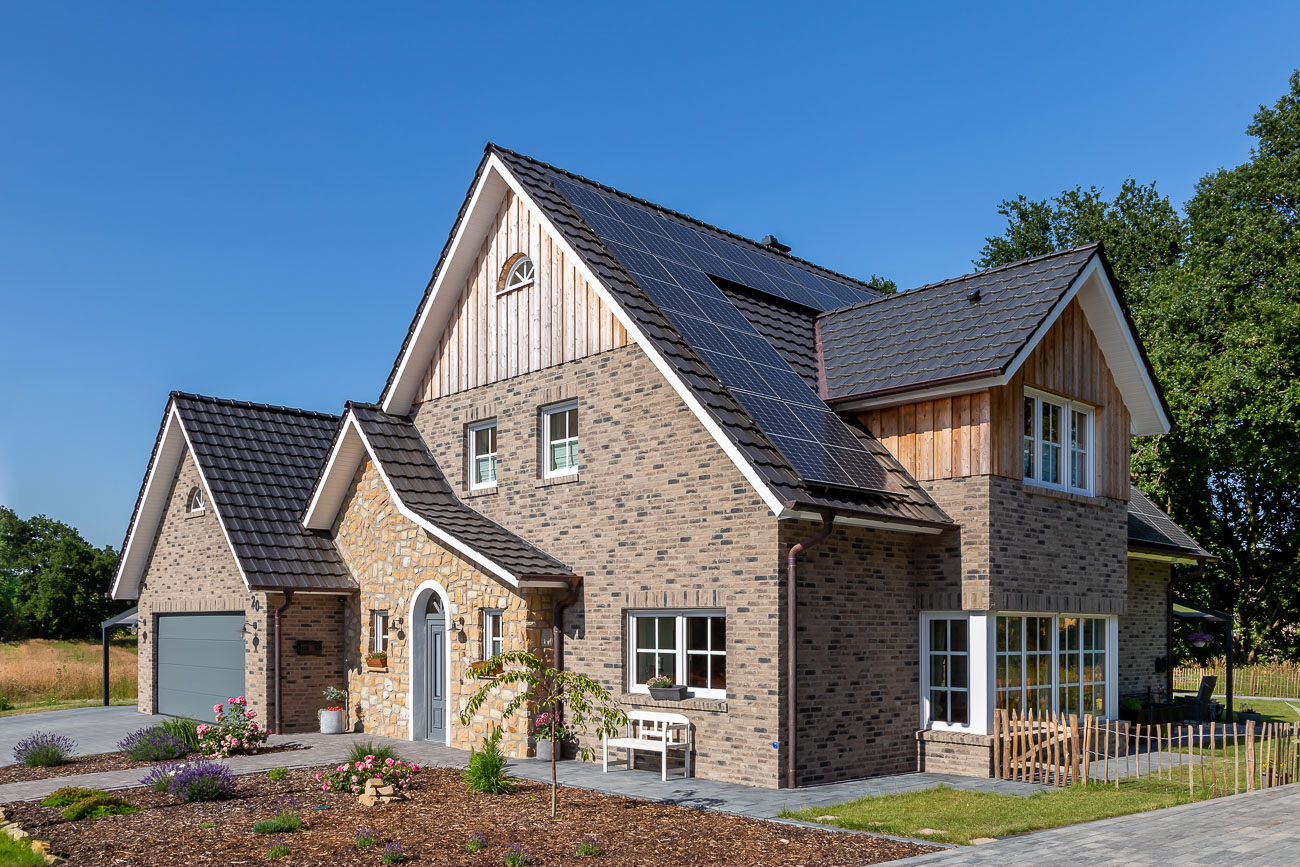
(40,674)
(1272,709)
(948,815)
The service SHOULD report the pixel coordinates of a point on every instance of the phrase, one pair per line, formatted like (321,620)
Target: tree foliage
(53,583)
(1216,297)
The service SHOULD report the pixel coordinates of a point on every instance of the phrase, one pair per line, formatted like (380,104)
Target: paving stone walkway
(1259,828)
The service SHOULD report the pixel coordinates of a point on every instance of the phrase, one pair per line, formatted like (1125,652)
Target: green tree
(53,583)
(883,284)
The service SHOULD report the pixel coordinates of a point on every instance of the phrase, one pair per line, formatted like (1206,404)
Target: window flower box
(485,668)
(662,688)
(377,660)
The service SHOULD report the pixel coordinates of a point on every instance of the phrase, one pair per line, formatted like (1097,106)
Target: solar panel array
(672,262)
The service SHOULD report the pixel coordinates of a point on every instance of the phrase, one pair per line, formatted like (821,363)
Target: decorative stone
(368,800)
(386,791)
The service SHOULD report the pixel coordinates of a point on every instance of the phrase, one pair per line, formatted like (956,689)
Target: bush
(476,842)
(160,777)
(152,744)
(366,838)
(203,781)
(517,855)
(352,778)
(44,750)
(5,703)
(69,795)
(395,853)
(184,728)
(359,752)
(101,804)
(286,821)
(234,731)
(278,775)
(589,845)
(278,849)
(19,853)
(487,768)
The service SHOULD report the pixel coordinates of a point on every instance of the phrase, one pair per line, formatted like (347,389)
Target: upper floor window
(520,272)
(483,455)
(1057,451)
(195,502)
(560,435)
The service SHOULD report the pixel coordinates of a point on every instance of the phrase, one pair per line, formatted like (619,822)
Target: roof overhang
(795,512)
(350,449)
(151,506)
(1164,556)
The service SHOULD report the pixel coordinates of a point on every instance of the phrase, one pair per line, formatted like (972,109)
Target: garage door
(200,662)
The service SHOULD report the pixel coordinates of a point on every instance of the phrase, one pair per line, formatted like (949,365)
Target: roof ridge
(858,305)
(854,283)
(248,404)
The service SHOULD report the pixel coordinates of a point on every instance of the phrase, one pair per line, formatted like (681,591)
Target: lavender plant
(589,845)
(517,855)
(152,744)
(44,750)
(366,838)
(476,842)
(160,777)
(394,853)
(203,781)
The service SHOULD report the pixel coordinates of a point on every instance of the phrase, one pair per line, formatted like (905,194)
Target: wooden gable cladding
(491,335)
(982,433)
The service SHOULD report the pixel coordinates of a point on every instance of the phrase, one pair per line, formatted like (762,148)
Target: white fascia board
(344,468)
(335,479)
(954,389)
(485,199)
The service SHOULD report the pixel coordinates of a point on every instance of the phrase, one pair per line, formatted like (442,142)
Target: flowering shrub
(152,744)
(549,727)
(395,853)
(234,731)
(1200,639)
(203,781)
(160,777)
(589,845)
(44,750)
(366,838)
(517,855)
(478,840)
(352,777)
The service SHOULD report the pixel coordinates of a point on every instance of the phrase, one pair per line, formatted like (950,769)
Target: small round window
(520,272)
(195,501)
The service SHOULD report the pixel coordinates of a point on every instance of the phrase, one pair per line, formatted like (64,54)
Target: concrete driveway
(95,729)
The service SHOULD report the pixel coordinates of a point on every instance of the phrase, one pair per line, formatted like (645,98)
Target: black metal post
(104,631)
(1227,653)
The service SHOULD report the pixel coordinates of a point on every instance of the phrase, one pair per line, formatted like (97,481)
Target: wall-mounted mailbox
(308,648)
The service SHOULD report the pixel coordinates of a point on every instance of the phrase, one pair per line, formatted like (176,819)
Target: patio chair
(1199,706)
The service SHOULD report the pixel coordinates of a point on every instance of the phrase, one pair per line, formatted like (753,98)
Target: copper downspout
(288,600)
(791,607)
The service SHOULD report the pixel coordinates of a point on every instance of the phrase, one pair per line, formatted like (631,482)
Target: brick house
(852,524)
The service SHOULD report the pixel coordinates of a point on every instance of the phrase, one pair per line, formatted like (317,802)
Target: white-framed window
(482,455)
(560,440)
(1054,662)
(688,646)
(492,634)
(522,273)
(195,502)
(1057,447)
(378,631)
(947,653)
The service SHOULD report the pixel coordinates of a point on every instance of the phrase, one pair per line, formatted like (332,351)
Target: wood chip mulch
(434,826)
(98,762)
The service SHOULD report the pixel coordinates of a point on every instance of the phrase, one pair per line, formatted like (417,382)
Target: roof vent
(973,295)
(771,243)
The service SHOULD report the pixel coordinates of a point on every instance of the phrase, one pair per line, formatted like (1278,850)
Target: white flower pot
(544,750)
(331,722)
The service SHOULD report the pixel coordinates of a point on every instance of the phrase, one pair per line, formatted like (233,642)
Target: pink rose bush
(352,777)
(234,731)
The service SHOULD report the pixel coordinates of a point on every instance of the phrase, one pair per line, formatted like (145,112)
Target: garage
(200,662)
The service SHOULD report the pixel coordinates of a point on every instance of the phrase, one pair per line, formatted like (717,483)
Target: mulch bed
(434,825)
(98,762)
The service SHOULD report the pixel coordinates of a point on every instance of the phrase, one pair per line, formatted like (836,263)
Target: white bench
(656,732)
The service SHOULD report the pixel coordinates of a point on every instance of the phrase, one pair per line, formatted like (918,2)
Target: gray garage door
(200,662)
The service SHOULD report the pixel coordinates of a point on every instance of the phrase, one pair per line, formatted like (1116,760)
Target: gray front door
(435,670)
(200,662)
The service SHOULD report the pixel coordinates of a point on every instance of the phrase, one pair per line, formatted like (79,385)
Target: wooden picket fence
(1266,680)
(1211,759)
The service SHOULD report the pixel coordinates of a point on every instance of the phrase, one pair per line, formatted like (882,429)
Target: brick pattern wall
(303,678)
(943,752)
(1145,629)
(192,569)
(658,517)
(391,557)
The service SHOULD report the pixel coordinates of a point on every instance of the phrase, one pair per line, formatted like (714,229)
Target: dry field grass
(39,671)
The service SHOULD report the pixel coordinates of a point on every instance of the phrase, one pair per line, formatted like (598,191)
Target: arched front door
(435,669)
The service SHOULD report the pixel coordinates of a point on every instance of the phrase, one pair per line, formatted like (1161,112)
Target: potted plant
(1200,639)
(486,667)
(662,688)
(550,733)
(331,716)
(1246,714)
(377,660)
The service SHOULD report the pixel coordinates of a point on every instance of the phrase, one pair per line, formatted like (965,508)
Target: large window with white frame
(1052,663)
(483,455)
(560,440)
(1057,450)
(948,670)
(688,646)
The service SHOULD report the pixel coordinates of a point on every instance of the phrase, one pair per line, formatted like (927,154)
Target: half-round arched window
(195,502)
(519,272)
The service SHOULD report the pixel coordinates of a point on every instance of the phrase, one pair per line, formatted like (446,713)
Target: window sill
(470,493)
(570,479)
(1068,496)
(643,700)
(197,513)
(375,669)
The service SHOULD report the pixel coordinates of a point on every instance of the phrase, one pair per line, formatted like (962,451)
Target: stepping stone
(980,841)
(930,831)
(827,818)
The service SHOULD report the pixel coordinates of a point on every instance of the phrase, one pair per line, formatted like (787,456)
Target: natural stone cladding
(1144,632)
(390,556)
(657,518)
(191,569)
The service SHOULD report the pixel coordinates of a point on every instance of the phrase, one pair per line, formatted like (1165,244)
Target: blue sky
(246,200)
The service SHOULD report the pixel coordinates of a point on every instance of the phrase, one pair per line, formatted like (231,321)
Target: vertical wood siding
(491,337)
(981,433)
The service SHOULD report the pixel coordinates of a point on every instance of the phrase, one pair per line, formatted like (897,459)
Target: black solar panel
(672,262)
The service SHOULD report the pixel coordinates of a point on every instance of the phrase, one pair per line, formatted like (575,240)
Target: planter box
(376,662)
(671,693)
(331,722)
(485,668)
(1247,716)
(1157,715)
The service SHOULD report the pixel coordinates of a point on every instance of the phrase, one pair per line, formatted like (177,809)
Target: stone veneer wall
(658,517)
(1143,632)
(192,569)
(311,617)
(390,556)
